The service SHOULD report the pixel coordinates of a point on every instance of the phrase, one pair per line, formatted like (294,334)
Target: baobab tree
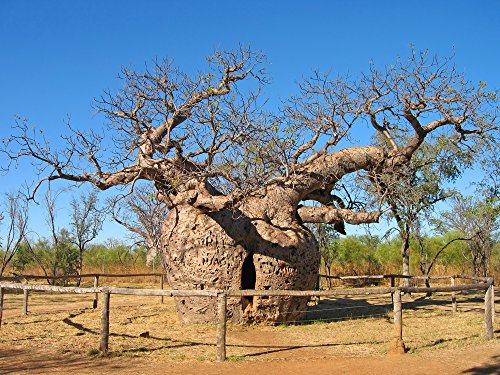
(237,178)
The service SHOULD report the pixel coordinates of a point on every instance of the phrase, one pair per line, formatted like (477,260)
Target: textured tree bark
(209,250)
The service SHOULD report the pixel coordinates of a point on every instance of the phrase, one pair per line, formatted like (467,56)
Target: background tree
(143,214)
(328,247)
(425,180)
(431,248)
(476,218)
(16,217)
(421,187)
(23,258)
(237,180)
(56,256)
(116,254)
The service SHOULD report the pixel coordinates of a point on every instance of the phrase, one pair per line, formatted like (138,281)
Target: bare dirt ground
(340,336)
(481,360)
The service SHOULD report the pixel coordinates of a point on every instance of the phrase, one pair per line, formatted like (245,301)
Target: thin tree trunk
(38,260)
(80,266)
(484,266)
(2,269)
(405,253)
(427,284)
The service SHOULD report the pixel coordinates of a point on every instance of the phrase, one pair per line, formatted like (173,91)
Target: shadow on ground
(492,367)
(16,361)
(348,308)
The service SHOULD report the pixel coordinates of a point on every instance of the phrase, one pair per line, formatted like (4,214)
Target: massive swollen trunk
(260,243)
(228,250)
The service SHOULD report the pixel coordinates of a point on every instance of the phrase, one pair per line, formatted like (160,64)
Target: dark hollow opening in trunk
(248,278)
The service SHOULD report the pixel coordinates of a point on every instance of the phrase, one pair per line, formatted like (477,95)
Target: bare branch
(332,215)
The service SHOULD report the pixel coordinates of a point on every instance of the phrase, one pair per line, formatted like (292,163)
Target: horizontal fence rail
(96,277)
(83,275)
(111,290)
(220,299)
(351,292)
(396,276)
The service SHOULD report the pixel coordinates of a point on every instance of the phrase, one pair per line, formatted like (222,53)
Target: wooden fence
(221,296)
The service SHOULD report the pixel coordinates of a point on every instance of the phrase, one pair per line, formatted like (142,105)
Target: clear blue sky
(56,56)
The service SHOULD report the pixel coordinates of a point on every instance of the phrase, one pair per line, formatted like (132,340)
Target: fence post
(104,334)
(397,344)
(1,305)
(96,296)
(221,326)
(492,286)
(318,287)
(488,324)
(392,286)
(161,285)
(25,301)
(453,296)
(154,276)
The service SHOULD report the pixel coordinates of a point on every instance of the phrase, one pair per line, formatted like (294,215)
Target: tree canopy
(209,140)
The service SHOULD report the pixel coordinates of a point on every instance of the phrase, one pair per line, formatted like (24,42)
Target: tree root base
(396,346)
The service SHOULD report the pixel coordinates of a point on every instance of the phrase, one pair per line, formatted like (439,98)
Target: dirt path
(482,360)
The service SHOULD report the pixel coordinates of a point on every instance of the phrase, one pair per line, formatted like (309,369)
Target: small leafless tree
(413,200)
(143,214)
(86,220)
(49,203)
(59,255)
(15,213)
(427,262)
